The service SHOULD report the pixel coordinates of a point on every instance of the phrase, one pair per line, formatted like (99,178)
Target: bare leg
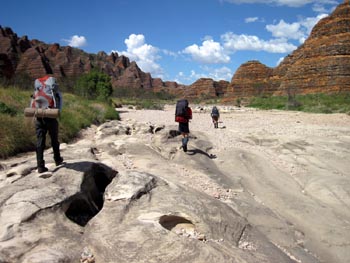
(184,141)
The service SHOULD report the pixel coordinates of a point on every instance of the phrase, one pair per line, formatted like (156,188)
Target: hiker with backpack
(183,114)
(45,98)
(215,115)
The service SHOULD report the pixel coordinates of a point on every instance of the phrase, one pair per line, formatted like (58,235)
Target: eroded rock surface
(122,195)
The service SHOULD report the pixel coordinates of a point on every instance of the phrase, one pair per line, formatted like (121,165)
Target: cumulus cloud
(224,73)
(310,22)
(143,54)
(233,42)
(76,41)
(285,30)
(296,30)
(210,52)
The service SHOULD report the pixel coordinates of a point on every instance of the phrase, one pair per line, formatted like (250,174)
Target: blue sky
(176,40)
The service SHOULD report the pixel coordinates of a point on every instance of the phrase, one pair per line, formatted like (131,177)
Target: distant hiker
(183,114)
(215,115)
(46,96)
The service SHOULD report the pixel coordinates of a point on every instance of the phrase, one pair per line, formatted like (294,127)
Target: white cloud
(233,42)
(251,19)
(190,78)
(223,73)
(298,30)
(210,52)
(195,75)
(310,22)
(169,53)
(285,30)
(321,8)
(279,61)
(143,54)
(76,41)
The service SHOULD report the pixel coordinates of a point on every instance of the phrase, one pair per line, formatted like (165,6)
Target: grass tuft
(316,103)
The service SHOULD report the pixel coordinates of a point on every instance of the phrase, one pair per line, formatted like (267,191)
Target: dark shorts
(215,118)
(183,127)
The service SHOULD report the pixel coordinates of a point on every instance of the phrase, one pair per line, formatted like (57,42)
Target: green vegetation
(142,98)
(317,103)
(17,133)
(94,99)
(94,85)
(92,103)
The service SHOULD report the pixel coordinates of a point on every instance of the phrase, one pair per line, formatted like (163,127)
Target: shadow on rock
(83,206)
(199,151)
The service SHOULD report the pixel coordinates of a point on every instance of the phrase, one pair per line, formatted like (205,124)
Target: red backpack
(44,96)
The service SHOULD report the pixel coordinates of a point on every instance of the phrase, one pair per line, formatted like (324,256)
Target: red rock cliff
(321,64)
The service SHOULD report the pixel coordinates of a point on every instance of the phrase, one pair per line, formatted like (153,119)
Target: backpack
(215,111)
(181,108)
(45,93)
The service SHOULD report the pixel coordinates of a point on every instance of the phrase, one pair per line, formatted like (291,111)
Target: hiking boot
(184,147)
(42,169)
(59,161)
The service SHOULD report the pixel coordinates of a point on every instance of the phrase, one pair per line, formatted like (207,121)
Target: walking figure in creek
(215,115)
(183,115)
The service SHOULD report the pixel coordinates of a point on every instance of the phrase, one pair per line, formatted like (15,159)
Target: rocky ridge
(320,65)
(35,58)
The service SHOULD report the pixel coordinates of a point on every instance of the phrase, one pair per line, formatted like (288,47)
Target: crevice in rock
(149,186)
(171,221)
(155,129)
(86,204)
(242,235)
(181,226)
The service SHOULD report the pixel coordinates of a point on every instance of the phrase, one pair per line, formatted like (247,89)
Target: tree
(94,85)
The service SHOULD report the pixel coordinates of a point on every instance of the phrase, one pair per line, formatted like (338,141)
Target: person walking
(47,95)
(183,115)
(215,115)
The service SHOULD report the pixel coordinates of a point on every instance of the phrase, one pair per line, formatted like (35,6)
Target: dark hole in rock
(170,221)
(173,133)
(158,129)
(80,212)
(85,205)
(151,128)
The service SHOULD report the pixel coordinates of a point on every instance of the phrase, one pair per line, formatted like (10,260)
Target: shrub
(16,135)
(94,85)
(6,109)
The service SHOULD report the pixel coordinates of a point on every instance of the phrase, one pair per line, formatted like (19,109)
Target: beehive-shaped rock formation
(320,65)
